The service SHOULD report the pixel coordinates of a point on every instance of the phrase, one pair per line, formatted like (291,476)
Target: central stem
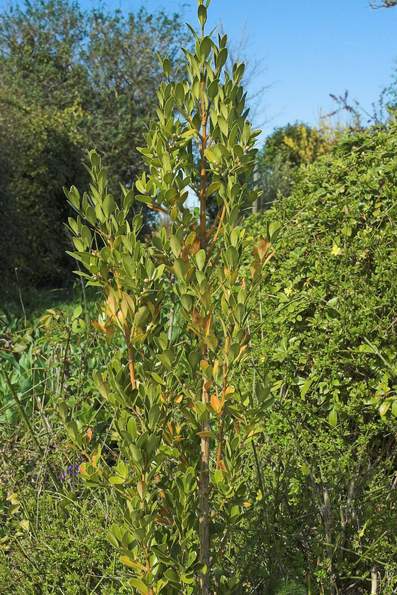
(131,360)
(203,170)
(204,525)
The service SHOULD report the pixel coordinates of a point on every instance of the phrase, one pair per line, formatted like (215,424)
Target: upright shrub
(181,302)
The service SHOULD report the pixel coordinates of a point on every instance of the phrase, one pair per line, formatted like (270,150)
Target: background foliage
(69,80)
(327,344)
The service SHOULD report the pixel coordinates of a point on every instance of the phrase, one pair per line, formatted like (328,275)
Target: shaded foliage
(69,80)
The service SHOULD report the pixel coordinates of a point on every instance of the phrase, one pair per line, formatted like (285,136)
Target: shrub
(328,346)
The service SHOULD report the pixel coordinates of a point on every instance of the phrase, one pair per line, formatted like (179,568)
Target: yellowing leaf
(127,561)
(263,248)
(140,487)
(216,404)
(200,259)
(384,408)
(204,434)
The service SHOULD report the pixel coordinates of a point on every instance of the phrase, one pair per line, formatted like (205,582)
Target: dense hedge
(328,349)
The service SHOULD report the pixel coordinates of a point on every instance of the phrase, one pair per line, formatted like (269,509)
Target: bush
(328,347)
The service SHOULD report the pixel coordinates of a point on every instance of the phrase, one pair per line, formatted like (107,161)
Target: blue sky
(307,49)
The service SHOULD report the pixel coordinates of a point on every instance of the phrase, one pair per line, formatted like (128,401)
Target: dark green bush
(70,80)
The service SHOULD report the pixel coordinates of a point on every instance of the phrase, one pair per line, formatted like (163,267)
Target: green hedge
(328,349)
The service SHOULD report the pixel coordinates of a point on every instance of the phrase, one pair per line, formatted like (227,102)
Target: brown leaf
(262,248)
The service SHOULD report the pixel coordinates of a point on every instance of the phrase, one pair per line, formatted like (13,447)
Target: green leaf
(157,378)
(132,428)
(274,228)
(221,58)
(154,415)
(166,358)
(167,67)
(218,476)
(74,197)
(231,257)
(239,70)
(235,511)
(180,268)
(213,89)
(109,205)
(73,225)
(74,432)
(205,47)
(223,125)
(202,14)
(171,576)
(306,387)
(175,246)
(384,408)
(213,187)
(187,301)
(333,418)
(140,585)
(394,408)
(141,186)
(213,154)
(145,199)
(116,480)
(179,92)
(235,236)
(141,317)
(194,358)
(189,133)
(135,453)
(200,259)
(77,312)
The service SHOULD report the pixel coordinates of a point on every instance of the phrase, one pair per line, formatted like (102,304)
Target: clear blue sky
(308,49)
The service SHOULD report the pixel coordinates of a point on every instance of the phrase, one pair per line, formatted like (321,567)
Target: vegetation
(327,343)
(69,80)
(180,417)
(285,152)
(212,406)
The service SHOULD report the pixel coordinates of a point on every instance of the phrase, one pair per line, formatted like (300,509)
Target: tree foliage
(285,150)
(70,80)
(383,3)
